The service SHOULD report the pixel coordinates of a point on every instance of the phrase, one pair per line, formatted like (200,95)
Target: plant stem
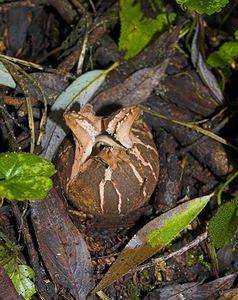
(194,22)
(229,180)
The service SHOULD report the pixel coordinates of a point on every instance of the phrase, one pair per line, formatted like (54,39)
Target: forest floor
(68,51)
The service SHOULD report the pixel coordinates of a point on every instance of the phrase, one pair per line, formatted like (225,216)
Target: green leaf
(24,176)
(223,226)
(137,30)
(224,57)
(208,7)
(176,220)
(236,34)
(22,279)
(8,258)
(21,275)
(5,77)
(80,90)
(153,237)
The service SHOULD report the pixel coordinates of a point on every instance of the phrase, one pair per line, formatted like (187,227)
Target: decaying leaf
(208,151)
(62,247)
(193,290)
(198,61)
(52,85)
(133,90)
(22,276)
(7,289)
(152,238)
(196,96)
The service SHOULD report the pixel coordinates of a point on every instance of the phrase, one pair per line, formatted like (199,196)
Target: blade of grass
(229,180)
(14,71)
(191,126)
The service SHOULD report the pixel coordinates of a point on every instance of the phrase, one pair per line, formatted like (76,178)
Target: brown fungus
(113,166)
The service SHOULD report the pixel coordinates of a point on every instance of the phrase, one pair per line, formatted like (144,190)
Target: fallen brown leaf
(62,247)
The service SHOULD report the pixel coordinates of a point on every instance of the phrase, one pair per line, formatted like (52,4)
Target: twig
(34,259)
(83,51)
(182,250)
(93,7)
(192,126)
(202,139)
(8,122)
(102,295)
(30,64)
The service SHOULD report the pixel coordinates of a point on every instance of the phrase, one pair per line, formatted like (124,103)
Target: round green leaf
(24,176)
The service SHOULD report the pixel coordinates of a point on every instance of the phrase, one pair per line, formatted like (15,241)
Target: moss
(134,288)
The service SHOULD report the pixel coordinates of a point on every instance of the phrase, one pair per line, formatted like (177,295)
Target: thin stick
(30,64)
(33,255)
(221,190)
(83,51)
(102,295)
(182,250)
(192,126)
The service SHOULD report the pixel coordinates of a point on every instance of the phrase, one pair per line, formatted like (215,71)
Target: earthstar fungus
(112,167)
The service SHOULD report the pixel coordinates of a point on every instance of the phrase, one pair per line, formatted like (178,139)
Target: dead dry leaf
(133,90)
(62,247)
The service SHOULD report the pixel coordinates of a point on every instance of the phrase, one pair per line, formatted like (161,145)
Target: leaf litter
(78,252)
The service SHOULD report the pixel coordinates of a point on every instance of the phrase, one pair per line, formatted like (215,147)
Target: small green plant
(21,275)
(224,57)
(136,29)
(142,282)
(24,176)
(236,34)
(208,7)
(193,258)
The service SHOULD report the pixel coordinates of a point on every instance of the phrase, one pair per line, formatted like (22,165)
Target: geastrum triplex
(112,167)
